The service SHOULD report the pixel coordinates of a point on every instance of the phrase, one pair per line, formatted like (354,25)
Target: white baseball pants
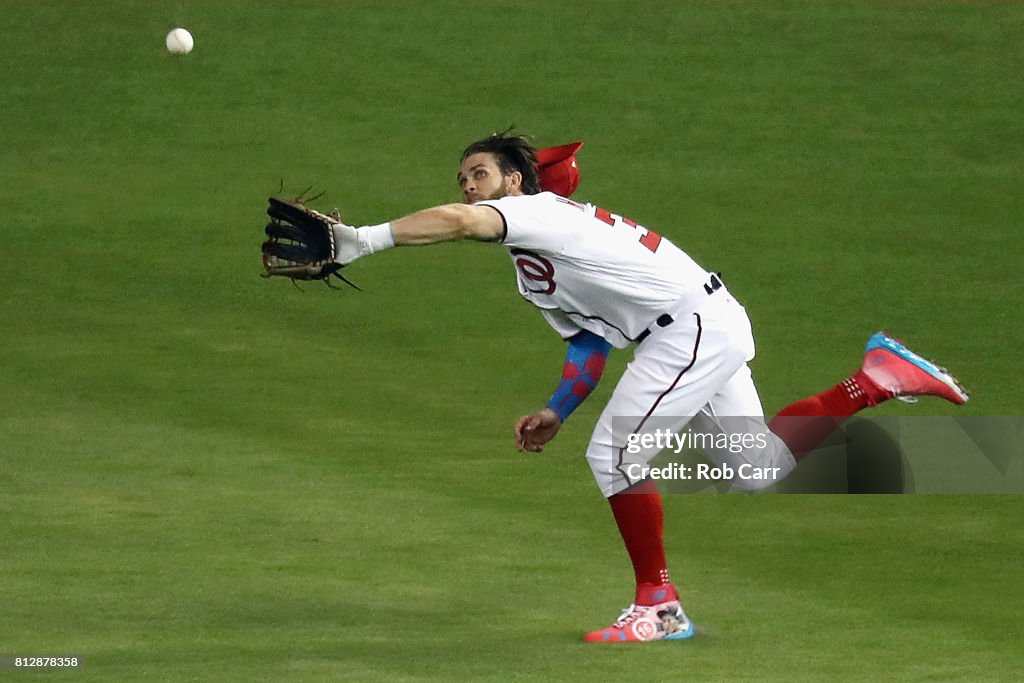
(692,372)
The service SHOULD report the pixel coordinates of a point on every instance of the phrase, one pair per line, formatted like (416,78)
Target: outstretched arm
(449,222)
(438,224)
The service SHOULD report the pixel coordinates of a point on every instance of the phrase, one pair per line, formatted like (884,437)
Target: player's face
(480,178)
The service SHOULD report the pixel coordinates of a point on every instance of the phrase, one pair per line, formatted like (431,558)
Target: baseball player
(601,280)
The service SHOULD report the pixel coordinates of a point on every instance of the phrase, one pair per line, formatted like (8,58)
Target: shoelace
(898,396)
(629,615)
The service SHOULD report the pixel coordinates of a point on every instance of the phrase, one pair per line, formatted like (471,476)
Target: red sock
(832,406)
(641,519)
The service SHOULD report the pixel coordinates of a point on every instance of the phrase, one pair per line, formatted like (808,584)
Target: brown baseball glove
(300,242)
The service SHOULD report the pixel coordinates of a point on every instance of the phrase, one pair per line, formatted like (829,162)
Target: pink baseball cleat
(640,623)
(905,375)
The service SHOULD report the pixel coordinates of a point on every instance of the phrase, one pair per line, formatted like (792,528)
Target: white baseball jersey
(588,269)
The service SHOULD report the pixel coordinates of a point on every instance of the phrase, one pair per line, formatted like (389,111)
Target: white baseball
(179,42)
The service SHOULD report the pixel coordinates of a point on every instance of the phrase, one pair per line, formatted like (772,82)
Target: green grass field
(209,476)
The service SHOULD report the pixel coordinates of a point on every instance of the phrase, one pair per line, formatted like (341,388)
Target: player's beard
(497,194)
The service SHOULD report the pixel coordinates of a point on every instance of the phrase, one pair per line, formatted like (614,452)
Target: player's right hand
(532,432)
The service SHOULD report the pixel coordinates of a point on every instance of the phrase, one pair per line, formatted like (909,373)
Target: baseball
(179,42)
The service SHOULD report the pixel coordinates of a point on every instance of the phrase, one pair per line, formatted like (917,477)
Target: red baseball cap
(558,170)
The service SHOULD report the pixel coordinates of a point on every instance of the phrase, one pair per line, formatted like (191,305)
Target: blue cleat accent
(682,635)
(880,340)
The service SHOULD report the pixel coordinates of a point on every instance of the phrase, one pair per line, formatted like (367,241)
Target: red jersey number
(649,239)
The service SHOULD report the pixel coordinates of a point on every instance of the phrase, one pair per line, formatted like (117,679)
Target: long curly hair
(514,153)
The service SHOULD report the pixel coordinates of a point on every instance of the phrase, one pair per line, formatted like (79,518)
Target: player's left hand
(532,432)
(300,242)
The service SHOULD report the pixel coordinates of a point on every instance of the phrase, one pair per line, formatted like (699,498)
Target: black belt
(713,284)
